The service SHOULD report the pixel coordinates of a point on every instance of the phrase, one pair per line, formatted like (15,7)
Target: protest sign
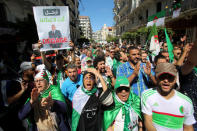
(52,27)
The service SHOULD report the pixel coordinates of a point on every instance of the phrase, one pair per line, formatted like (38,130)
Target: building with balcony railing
(130,15)
(96,36)
(101,35)
(85,26)
(185,19)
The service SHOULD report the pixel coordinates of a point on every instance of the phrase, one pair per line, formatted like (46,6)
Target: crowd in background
(114,87)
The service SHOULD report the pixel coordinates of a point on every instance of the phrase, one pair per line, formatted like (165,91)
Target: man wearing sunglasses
(166,109)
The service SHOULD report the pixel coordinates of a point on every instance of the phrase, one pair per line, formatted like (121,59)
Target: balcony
(123,8)
(187,17)
(33,2)
(188,4)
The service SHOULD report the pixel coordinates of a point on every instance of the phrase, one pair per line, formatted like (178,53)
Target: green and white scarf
(110,115)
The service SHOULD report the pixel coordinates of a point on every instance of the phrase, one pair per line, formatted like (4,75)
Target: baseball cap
(25,66)
(89,59)
(40,67)
(164,68)
(121,81)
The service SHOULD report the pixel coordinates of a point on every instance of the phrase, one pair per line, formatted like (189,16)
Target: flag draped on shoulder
(154,43)
(133,103)
(80,99)
(55,93)
(170,46)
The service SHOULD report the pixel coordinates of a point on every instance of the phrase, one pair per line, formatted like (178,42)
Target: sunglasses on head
(120,89)
(167,76)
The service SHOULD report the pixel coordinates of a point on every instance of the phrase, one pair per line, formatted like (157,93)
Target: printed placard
(52,27)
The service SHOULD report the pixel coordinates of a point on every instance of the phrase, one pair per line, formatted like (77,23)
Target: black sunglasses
(167,76)
(120,89)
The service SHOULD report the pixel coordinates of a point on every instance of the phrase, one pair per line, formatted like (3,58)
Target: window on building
(132,20)
(158,6)
(2,12)
(147,14)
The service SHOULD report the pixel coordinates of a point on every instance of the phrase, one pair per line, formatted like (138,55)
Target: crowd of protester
(109,87)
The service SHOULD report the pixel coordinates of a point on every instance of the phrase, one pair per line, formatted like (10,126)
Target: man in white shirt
(166,109)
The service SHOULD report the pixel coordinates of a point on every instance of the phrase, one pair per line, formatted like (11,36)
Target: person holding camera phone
(15,94)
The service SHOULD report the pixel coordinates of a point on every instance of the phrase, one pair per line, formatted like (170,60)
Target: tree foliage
(112,39)
(144,31)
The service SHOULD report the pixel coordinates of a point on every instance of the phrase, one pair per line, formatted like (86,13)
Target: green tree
(112,39)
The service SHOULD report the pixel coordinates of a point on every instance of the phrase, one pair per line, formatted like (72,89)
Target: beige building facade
(85,25)
(101,35)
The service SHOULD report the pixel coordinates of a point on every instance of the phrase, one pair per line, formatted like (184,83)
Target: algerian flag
(80,98)
(157,18)
(170,46)
(154,44)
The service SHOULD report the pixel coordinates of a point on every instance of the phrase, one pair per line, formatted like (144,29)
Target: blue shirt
(69,87)
(139,83)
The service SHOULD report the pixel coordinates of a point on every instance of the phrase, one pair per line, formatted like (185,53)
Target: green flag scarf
(170,47)
(93,91)
(55,93)
(80,98)
(110,115)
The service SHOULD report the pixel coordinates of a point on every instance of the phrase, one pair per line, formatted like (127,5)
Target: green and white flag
(80,99)
(170,46)
(154,43)
(157,19)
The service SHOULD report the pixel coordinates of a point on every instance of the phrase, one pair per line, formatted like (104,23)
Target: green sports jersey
(168,114)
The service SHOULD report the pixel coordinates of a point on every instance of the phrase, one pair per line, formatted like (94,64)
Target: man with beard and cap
(26,81)
(164,108)
(15,93)
(138,74)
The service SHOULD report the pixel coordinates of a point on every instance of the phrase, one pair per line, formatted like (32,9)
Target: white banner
(52,26)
